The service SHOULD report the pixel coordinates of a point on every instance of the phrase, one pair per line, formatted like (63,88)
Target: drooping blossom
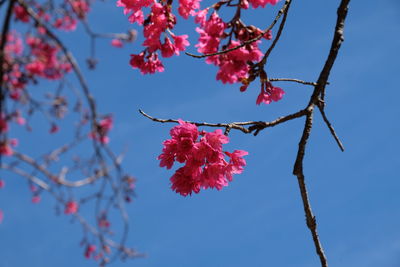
(66,23)
(54,128)
(188,7)
(80,7)
(149,64)
(35,199)
(157,32)
(203,158)
(21,14)
(117,43)
(102,129)
(103,221)
(71,207)
(5,149)
(89,251)
(3,124)
(269,93)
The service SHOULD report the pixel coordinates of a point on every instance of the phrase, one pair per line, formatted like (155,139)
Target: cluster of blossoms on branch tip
(159,21)
(205,164)
(233,67)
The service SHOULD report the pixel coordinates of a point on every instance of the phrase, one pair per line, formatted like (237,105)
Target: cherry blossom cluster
(269,93)
(157,32)
(42,59)
(66,17)
(204,160)
(235,66)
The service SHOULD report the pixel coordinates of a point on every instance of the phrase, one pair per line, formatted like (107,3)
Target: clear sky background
(258,219)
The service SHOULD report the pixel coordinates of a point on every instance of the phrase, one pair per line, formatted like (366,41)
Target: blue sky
(258,219)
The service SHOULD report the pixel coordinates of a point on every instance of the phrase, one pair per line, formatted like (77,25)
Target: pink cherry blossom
(5,149)
(204,161)
(89,251)
(71,207)
(35,199)
(188,7)
(13,142)
(167,48)
(117,43)
(3,124)
(102,129)
(21,13)
(269,93)
(180,42)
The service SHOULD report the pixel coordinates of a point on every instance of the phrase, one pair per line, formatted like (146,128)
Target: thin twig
(292,80)
(331,129)
(278,35)
(254,126)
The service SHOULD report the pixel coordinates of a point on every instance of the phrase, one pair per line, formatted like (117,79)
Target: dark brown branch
(278,34)
(281,11)
(331,129)
(338,38)
(292,80)
(314,100)
(298,171)
(254,126)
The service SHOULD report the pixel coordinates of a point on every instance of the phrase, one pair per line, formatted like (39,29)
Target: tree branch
(281,11)
(254,126)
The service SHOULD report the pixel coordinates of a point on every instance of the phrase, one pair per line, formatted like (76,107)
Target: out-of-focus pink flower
(117,43)
(33,188)
(1,216)
(36,199)
(80,7)
(2,183)
(71,207)
(21,13)
(13,142)
(103,127)
(3,124)
(54,128)
(89,251)
(5,149)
